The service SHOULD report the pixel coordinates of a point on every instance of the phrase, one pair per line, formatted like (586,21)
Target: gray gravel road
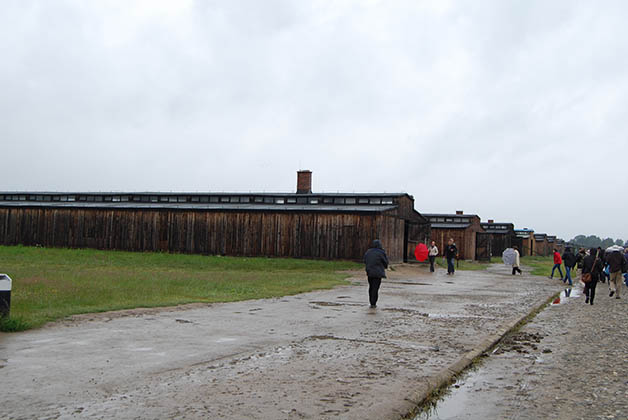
(316,355)
(569,362)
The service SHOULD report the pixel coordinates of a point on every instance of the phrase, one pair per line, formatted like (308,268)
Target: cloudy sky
(513,110)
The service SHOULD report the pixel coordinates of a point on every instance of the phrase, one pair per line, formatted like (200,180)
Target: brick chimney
(304,182)
(459,212)
(491,221)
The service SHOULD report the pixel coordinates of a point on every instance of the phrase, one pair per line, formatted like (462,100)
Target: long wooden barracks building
(301,224)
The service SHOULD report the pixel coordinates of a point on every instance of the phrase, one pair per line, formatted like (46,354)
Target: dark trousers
(374,283)
(432,258)
(516,270)
(450,265)
(589,290)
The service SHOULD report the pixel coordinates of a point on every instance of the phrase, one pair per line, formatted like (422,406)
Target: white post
(5,295)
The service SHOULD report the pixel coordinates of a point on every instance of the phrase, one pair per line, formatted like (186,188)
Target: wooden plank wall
(275,234)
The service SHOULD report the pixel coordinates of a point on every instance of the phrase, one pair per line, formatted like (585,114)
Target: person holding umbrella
(433,253)
(517,263)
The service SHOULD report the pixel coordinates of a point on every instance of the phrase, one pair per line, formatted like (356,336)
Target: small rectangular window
(115,198)
(31,198)
(154,198)
(22,198)
(449,219)
(363,200)
(144,199)
(268,200)
(214,199)
(279,200)
(40,198)
(245,199)
(339,200)
(125,198)
(224,199)
(328,200)
(71,198)
(387,200)
(194,199)
(458,220)
(313,200)
(350,201)
(291,200)
(301,200)
(182,199)
(259,199)
(440,219)
(234,200)
(375,201)
(108,198)
(98,198)
(172,199)
(54,198)
(204,199)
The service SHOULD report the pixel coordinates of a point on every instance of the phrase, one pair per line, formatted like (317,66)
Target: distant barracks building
(301,224)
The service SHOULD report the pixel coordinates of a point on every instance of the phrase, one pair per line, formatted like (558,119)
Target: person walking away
(570,262)
(432,254)
(580,259)
(451,251)
(591,264)
(557,262)
(376,263)
(515,266)
(616,266)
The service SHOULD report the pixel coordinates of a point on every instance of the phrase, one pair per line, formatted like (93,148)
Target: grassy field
(541,266)
(50,283)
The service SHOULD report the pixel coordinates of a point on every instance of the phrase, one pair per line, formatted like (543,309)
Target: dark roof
(448,215)
(204,206)
(498,228)
(450,225)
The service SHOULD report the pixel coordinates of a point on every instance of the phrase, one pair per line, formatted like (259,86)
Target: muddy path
(569,362)
(316,355)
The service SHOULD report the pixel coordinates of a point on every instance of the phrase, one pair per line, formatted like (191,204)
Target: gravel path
(319,355)
(569,362)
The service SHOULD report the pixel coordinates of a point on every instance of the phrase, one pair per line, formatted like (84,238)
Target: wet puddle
(458,398)
(568,293)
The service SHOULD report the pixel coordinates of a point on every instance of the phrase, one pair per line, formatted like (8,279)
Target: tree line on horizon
(593,241)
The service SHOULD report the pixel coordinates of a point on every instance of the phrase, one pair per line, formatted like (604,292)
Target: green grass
(52,283)
(541,266)
(464,265)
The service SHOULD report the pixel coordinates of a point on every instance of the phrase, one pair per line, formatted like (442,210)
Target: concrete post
(5,295)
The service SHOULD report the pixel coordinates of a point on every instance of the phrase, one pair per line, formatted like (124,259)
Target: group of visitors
(596,265)
(376,263)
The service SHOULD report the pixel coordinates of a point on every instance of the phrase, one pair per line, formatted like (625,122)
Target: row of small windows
(448,220)
(199,199)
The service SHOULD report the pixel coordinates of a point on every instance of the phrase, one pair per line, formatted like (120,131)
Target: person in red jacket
(557,262)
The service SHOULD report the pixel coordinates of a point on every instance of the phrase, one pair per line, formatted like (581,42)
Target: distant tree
(593,241)
(608,242)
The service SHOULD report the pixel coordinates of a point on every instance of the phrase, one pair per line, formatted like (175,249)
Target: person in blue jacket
(376,263)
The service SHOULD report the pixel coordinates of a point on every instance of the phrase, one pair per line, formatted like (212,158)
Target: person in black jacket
(376,263)
(617,265)
(593,264)
(569,259)
(451,252)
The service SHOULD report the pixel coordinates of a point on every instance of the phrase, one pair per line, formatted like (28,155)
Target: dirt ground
(317,355)
(569,362)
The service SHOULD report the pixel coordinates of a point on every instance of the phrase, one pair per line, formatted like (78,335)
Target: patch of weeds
(9,324)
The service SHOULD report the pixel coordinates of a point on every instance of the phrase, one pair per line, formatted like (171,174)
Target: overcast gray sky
(513,110)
